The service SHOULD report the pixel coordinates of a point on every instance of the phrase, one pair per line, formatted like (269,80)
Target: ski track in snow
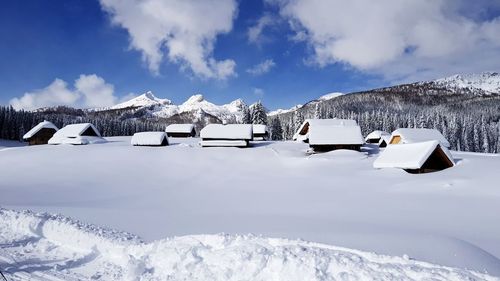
(39,246)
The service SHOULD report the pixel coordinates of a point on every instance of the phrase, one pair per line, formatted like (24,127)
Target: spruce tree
(276,130)
(259,115)
(247,117)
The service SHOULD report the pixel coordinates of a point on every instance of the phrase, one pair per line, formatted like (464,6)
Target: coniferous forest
(468,119)
(14,124)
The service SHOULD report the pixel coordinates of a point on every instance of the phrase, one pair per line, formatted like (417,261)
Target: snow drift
(44,247)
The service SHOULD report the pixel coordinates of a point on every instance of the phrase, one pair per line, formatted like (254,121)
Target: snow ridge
(45,247)
(282,111)
(486,81)
(145,100)
(298,106)
(330,96)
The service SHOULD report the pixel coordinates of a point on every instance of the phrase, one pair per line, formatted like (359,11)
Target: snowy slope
(273,189)
(283,111)
(486,81)
(49,247)
(298,106)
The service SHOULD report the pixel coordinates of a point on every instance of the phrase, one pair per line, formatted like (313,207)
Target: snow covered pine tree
(259,115)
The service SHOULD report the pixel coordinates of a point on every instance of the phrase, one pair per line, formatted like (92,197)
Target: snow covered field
(7,143)
(448,218)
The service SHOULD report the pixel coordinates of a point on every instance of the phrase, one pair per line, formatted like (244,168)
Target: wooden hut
(180,131)
(416,158)
(41,133)
(149,139)
(260,132)
(82,133)
(375,136)
(237,135)
(302,133)
(384,141)
(413,135)
(326,138)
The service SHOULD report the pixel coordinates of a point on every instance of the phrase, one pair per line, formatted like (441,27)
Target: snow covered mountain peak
(194,99)
(145,100)
(237,103)
(149,95)
(486,81)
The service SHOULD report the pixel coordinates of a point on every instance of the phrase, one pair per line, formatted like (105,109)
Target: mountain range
(196,109)
(452,89)
(196,104)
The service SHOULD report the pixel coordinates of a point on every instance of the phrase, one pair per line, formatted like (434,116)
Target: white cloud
(95,91)
(187,29)
(262,68)
(57,93)
(258,92)
(399,39)
(254,32)
(89,91)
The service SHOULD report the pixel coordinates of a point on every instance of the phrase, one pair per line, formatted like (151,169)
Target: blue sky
(104,51)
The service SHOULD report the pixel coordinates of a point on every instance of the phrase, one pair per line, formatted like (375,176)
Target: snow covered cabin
(416,158)
(82,133)
(412,135)
(384,140)
(41,133)
(302,133)
(326,138)
(180,131)
(260,132)
(238,135)
(149,139)
(375,136)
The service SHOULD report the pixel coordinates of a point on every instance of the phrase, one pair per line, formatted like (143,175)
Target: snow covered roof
(331,122)
(377,134)
(149,138)
(74,130)
(179,128)
(259,129)
(332,135)
(303,131)
(412,135)
(73,134)
(229,131)
(42,125)
(409,156)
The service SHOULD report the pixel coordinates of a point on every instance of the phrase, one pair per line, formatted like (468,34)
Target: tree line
(14,124)
(469,121)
